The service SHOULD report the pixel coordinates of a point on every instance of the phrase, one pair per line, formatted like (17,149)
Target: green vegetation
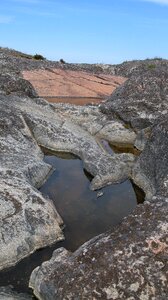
(151,66)
(62,61)
(38,57)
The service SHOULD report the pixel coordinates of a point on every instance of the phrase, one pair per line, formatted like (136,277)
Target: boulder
(142,98)
(127,263)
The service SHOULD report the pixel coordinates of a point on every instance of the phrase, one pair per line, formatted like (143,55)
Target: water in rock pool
(74,100)
(85,213)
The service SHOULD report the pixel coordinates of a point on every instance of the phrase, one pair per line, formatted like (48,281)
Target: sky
(91,31)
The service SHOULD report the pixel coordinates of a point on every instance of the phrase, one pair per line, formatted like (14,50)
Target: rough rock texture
(29,221)
(151,170)
(56,132)
(129,263)
(97,124)
(143,97)
(6,293)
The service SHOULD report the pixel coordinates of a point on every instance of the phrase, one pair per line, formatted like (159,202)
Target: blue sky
(93,31)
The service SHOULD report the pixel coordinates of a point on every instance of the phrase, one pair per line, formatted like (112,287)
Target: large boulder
(12,84)
(28,221)
(151,169)
(128,263)
(142,98)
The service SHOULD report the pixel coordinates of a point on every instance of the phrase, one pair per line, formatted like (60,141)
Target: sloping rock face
(143,97)
(151,170)
(27,220)
(67,83)
(129,263)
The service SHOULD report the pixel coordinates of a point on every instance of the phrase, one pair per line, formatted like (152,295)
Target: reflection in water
(84,213)
(74,100)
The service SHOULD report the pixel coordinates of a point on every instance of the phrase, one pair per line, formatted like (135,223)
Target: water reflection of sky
(85,215)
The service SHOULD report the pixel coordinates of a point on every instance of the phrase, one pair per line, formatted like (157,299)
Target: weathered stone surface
(53,131)
(27,220)
(129,263)
(151,169)
(6,293)
(16,85)
(96,123)
(143,97)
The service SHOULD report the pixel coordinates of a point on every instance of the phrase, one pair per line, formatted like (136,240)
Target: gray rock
(151,169)
(142,98)
(12,84)
(28,220)
(6,293)
(128,263)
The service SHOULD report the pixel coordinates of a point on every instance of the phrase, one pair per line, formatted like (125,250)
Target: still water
(74,100)
(85,212)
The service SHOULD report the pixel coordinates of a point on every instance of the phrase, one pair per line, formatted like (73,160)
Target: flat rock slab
(128,263)
(66,83)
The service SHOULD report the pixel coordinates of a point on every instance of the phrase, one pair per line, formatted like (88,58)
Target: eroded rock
(143,97)
(28,220)
(151,169)
(128,263)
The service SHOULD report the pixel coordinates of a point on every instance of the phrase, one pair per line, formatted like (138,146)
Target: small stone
(100,194)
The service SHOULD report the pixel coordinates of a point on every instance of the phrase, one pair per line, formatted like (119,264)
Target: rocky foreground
(127,263)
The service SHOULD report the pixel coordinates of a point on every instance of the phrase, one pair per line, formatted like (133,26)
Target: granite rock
(127,263)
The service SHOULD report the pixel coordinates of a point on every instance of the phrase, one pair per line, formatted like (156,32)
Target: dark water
(74,100)
(84,212)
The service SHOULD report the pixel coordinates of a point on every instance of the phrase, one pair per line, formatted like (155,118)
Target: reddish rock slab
(53,83)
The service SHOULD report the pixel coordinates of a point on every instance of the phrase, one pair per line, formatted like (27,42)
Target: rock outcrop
(142,98)
(129,262)
(66,83)
(29,220)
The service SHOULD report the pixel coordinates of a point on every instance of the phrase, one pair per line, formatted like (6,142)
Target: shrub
(62,61)
(151,66)
(38,57)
